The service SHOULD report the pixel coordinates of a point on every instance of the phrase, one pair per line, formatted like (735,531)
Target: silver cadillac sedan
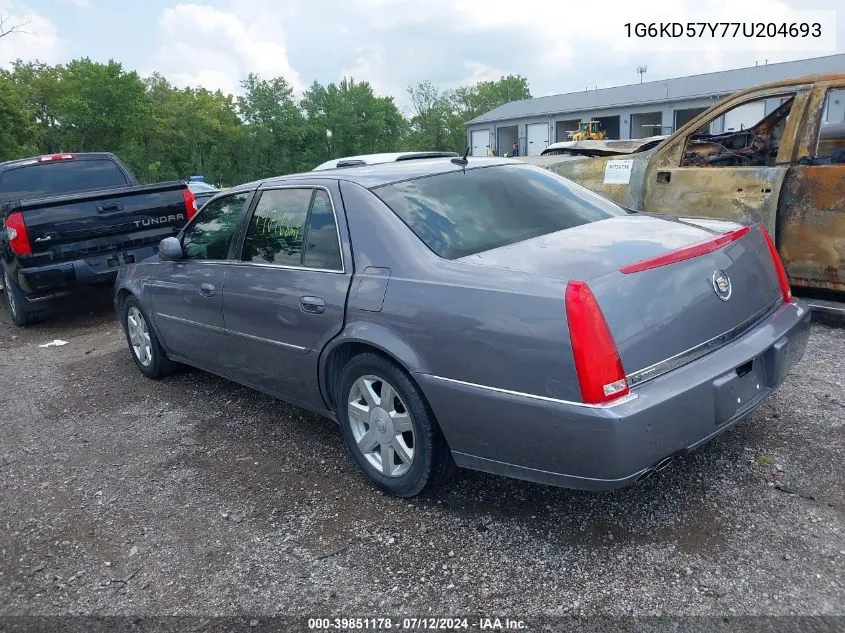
(475,312)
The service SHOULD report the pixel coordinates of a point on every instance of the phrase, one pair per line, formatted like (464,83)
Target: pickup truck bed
(56,241)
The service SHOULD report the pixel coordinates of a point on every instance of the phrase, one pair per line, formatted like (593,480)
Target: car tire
(143,343)
(415,452)
(19,308)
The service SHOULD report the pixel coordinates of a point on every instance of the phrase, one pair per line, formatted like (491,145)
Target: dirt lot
(192,495)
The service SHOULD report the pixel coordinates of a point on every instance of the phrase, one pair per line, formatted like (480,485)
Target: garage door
(745,116)
(537,138)
(480,142)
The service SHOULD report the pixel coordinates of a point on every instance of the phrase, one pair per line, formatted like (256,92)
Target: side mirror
(170,249)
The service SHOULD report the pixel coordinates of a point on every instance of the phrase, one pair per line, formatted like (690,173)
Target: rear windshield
(465,212)
(66,176)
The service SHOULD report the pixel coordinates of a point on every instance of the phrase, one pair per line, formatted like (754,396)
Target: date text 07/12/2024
(417,624)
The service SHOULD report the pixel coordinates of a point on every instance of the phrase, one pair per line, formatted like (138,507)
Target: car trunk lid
(657,309)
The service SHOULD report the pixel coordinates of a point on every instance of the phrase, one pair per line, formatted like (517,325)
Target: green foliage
(165,133)
(438,120)
(484,96)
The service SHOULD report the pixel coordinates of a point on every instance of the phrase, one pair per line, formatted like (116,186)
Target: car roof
(370,176)
(385,157)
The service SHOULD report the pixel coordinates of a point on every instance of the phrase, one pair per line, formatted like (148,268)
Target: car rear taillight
(597,363)
(687,252)
(16,234)
(190,203)
(785,290)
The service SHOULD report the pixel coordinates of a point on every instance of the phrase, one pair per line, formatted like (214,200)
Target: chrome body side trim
(269,341)
(533,396)
(214,328)
(206,326)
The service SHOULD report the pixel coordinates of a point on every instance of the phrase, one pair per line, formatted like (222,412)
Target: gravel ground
(194,496)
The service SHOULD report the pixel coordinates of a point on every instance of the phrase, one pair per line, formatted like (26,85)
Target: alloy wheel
(381,425)
(139,336)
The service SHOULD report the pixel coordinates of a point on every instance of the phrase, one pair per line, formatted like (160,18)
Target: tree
(274,126)
(434,119)
(99,106)
(7,28)
(359,121)
(163,132)
(484,96)
(40,88)
(18,131)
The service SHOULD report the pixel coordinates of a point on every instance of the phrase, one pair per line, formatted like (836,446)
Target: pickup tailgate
(75,226)
(658,310)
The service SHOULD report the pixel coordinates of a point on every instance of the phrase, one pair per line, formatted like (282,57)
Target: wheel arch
(357,339)
(134,290)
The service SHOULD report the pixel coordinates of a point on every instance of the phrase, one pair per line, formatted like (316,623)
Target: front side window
(460,213)
(747,135)
(209,236)
(293,227)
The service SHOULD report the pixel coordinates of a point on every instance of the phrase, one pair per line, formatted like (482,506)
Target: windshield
(460,213)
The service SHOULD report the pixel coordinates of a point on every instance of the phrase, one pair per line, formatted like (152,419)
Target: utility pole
(642,70)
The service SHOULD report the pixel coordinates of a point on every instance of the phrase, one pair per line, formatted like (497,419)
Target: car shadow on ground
(303,458)
(86,308)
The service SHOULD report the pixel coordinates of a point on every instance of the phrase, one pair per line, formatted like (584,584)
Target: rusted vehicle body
(785,171)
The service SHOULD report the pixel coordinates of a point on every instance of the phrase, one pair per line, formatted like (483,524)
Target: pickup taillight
(16,234)
(190,203)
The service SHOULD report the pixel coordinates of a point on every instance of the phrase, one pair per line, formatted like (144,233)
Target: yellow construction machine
(588,132)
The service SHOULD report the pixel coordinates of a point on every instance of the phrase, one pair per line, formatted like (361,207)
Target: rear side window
(277,227)
(461,213)
(294,227)
(65,176)
(322,249)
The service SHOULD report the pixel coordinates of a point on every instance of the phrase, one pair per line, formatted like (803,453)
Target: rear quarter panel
(498,328)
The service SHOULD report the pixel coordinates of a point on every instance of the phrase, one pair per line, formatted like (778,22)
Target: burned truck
(786,171)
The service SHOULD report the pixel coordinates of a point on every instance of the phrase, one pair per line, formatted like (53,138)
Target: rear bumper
(40,283)
(592,447)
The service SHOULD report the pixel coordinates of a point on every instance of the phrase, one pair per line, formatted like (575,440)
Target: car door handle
(312,305)
(207,290)
(664,176)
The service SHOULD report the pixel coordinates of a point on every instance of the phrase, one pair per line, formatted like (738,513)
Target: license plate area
(111,261)
(739,390)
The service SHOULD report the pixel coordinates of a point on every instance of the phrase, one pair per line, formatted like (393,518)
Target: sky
(560,46)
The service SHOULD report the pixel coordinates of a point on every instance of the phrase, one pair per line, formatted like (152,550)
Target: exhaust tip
(664,463)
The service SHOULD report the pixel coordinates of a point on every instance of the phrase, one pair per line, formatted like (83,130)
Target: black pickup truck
(74,219)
